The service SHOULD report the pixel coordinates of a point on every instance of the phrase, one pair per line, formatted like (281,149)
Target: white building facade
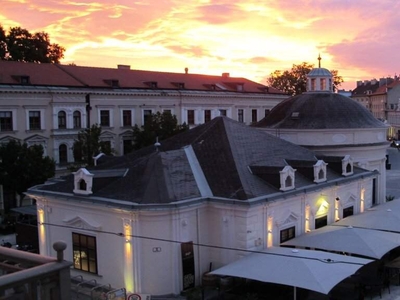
(224,192)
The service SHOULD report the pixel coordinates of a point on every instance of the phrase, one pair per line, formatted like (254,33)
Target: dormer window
(287,178)
(347,166)
(83,182)
(151,84)
(112,82)
(320,171)
(239,87)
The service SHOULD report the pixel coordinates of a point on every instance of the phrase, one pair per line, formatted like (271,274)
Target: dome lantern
(319,79)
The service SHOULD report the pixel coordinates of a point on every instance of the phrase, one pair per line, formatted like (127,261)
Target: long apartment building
(48,104)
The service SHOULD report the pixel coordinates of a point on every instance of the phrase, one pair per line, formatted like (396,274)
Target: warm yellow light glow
(42,232)
(362,200)
(307,223)
(337,217)
(323,208)
(269,234)
(128,274)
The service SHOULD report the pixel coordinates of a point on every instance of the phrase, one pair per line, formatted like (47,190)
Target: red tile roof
(94,77)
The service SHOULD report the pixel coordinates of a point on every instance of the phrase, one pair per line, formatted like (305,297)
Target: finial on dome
(319,60)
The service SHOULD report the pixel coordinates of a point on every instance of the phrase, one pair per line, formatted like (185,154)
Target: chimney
(186,70)
(225,75)
(359,83)
(124,67)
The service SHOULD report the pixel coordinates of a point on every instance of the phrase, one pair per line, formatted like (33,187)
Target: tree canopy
(88,145)
(157,126)
(22,167)
(294,81)
(21,45)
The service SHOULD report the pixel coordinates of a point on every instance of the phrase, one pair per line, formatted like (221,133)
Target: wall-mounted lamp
(337,199)
(269,231)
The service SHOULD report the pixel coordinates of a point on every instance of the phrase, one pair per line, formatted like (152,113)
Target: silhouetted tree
(21,45)
(159,126)
(22,167)
(88,145)
(294,81)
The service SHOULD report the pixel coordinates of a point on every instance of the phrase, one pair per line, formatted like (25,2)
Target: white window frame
(13,117)
(42,118)
(110,111)
(143,109)
(132,110)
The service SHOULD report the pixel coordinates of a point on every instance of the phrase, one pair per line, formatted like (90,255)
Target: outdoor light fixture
(337,198)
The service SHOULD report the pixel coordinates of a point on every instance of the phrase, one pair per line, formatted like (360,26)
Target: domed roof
(319,111)
(319,72)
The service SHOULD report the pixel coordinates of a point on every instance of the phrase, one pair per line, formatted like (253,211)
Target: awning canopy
(360,241)
(26,210)
(313,270)
(381,217)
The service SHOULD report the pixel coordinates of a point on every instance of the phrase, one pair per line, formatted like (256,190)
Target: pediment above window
(80,222)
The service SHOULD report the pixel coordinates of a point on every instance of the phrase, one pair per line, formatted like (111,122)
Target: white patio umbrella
(381,217)
(366,242)
(313,270)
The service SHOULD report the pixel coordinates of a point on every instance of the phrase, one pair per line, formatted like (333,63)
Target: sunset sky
(246,38)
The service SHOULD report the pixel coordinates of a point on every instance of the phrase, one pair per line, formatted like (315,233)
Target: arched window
(321,174)
(77,119)
(348,168)
(62,120)
(82,185)
(62,154)
(288,181)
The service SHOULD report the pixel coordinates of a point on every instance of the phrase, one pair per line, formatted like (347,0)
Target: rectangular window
(207,115)
(84,252)
(348,211)
(190,116)
(126,118)
(146,115)
(287,234)
(254,115)
(105,118)
(6,122)
(127,146)
(34,120)
(167,111)
(266,112)
(321,222)
(222,112)
(240,115)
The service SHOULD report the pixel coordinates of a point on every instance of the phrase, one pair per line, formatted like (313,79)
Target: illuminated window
(287,234)
(85,252)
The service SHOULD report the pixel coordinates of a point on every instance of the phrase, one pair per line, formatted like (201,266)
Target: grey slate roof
(319,111)
(227,152)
